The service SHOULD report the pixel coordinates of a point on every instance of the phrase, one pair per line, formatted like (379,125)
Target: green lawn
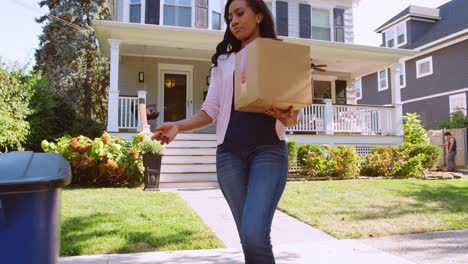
(104,221)
(366,208)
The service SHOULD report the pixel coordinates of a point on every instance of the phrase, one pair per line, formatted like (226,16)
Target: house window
(424,67)
(390,39)
(178,13)
(358,88)
(402,75)
(321,29)
(382,78)
(396,36)
(135,11)
(458,103)
(216,21)
(401,34)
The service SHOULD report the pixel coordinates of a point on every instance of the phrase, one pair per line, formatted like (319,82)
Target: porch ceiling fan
(318,67)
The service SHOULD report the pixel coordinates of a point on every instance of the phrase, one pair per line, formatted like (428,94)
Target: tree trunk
(87,87)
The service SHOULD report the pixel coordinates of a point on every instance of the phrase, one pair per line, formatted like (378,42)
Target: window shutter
(201,14)
(338,18)
(152,12)
(304,21)
(282,18)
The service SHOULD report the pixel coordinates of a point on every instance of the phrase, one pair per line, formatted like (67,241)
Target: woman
(252,156)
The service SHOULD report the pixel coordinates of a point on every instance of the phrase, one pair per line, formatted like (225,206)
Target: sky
(20,32)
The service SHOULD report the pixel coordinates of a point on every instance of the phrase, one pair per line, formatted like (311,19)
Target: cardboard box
(272,73)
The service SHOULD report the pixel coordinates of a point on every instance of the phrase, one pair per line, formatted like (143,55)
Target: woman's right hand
(166,132)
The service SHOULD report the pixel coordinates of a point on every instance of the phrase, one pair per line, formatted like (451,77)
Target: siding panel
(450,72)
(432,111)
(370,93)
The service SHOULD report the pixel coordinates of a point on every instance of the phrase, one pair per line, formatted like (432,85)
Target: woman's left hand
(287,117)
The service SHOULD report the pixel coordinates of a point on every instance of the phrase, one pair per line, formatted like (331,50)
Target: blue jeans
(451,161)
(252,183)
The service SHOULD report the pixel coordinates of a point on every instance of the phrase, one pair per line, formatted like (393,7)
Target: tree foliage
(69,55)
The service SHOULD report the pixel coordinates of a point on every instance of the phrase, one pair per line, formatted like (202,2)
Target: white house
(161,52)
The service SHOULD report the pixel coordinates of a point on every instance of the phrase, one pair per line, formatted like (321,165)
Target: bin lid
(23,171)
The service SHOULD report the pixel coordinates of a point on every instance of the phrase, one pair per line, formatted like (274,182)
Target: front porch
(172,58)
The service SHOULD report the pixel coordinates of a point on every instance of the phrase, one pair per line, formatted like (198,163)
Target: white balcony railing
(128,112)
(365,120)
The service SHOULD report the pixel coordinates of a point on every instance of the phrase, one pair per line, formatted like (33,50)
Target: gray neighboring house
(433,83)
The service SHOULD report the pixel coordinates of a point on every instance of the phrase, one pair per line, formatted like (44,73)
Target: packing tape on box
(243,81)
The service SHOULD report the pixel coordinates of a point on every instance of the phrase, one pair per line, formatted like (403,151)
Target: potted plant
(152,152)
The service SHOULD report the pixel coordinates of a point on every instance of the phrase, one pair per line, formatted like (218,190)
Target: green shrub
(344,161)
(379,162)
(293,148)
(400,161)
(414,132)
(54,116)
(431,154)
(103,162)
(15,95)
(304,150)
(152,147)
(315,160)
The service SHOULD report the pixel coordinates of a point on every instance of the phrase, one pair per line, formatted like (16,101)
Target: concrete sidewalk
(293,241)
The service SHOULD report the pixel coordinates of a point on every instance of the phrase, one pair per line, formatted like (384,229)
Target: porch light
(170,83)
(141,77)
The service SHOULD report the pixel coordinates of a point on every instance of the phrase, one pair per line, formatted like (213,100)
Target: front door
(175,96)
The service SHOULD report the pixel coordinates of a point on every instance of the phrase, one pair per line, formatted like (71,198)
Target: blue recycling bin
(30,184)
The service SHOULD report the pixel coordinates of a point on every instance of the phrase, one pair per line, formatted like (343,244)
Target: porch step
(187,167)
(192,143)
(170,185)
(195,136)
(189,177)
(190,162)
(190,159)
(189,151)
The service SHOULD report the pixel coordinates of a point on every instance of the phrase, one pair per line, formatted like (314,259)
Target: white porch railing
(313,121)
(364,119)
(128,112)
(329,119)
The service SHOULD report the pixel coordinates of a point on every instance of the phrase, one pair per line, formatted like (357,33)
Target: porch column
(143,124)
(113,100)
(396,100)
(351,91)
(329,123)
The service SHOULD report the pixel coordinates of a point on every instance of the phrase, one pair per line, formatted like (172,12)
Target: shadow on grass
(79,233)
(427,199)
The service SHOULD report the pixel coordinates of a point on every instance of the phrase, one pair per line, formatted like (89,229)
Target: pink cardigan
(218,101)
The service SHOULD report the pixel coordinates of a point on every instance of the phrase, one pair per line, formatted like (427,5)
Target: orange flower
(112,164)
(326,146)
(105,138)
(75,145)
(141,137)
(134,154)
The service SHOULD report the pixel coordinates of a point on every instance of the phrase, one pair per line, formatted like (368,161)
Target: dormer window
(395,37)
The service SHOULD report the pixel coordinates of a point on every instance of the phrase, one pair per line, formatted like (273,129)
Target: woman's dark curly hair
(230,43)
